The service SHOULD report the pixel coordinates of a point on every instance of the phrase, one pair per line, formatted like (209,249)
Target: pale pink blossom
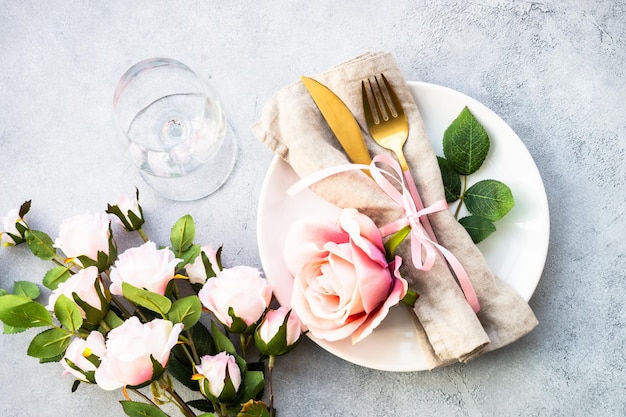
(241,288)
(212,370)
(78,351)
(85,234)
(343,285)
(83,283)
(129,215)
(144,266)
(9,227)
(196,271)
(128,350)
(268,331)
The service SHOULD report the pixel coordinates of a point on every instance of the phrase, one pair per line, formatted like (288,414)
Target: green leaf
(56,276)
(182,234)
(68,313)
(394,241)
(465,143)
(410,298)
(451,180)
(188,256)
(148,299)
(254,409)
(137,409)
(186,310)
(49,343)
(13,330)
(93,315)
(112,320)
(8,301)
(253,383)
(182,371)
(203,340)
(26,289)
(40,244)
(222,343)
(202,405)
(18,311)
(478,227)
(490,199)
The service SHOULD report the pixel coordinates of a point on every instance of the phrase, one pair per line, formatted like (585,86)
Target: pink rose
(85,234)
(196,271)
(219,376)
(78,351)
(128,212)
(241,288)
(267,337)
(145,267)
(9,235)
(83,283)
(128,350)
(343,285)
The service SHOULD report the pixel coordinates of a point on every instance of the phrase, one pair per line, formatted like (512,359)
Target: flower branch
(125,320)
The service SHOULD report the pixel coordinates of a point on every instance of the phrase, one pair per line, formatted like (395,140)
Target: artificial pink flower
(79,350)
(128,350)
(83,283)
(9,229)
(144,266)
(214,372)
(267,338)
(241,288)
(85,234)
(196,271)
(343,285)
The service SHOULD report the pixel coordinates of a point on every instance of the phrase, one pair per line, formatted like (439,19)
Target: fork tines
(380,98)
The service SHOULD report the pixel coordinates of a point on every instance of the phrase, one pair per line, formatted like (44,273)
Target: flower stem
(244,340)
(182,405)
(142,395)
(143,235)
(192,345)
(270,367)
(461,198)
(121,307)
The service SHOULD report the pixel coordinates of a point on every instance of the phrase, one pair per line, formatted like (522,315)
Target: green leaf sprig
(465,146)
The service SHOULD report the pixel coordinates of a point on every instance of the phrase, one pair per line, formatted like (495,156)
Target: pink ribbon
(424,246)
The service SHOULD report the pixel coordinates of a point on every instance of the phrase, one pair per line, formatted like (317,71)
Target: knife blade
(340,120)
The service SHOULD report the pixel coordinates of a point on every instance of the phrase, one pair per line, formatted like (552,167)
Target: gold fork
(386,120)
(389,127)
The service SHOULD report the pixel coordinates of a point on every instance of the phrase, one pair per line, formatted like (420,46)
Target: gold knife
(340,119)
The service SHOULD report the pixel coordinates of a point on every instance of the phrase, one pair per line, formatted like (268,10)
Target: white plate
(516,252)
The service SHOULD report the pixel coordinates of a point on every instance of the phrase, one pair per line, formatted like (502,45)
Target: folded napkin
(292,126)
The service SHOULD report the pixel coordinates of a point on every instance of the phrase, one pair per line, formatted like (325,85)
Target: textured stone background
(554,70)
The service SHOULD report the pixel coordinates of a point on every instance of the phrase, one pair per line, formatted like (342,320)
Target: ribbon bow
(424,245)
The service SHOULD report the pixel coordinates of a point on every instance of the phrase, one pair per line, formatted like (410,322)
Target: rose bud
(128,212)
(82,357)
(237,297)
(219,377)
(197,271)
(278,333)
(14,228)
(85,235)
(144,266)
(131,349)
(85,285)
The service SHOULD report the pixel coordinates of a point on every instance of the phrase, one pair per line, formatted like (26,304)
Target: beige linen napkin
(292,126)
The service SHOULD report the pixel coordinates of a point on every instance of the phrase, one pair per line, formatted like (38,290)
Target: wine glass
(177,132)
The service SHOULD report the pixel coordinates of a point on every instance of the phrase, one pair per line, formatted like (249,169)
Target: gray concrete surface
(554,70)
